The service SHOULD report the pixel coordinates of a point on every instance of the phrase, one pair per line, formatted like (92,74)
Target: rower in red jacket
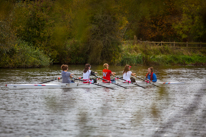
(107,73)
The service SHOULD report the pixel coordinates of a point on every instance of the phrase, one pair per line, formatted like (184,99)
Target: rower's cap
(130,66)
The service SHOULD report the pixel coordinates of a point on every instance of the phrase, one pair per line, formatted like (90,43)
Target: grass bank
(162,55)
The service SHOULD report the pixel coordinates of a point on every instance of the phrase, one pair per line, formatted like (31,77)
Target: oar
(147,80)
(50,80)
(131,83)
(95,84)
(111,81)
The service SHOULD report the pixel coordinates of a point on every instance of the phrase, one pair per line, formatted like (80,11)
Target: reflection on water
(170,110)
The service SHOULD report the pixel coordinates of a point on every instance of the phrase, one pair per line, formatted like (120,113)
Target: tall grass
(162,55)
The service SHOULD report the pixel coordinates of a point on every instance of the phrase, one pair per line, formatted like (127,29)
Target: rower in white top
(127,73)
(86,74)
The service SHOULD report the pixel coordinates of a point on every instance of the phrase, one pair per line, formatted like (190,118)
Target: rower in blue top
(151,75)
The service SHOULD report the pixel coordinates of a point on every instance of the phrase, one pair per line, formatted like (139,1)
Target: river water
(170,110)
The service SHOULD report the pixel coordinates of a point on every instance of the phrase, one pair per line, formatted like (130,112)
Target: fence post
(187,43)
(174,43)
(200,44)
(161,43)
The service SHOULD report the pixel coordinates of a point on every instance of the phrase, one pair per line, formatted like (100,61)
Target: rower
(66,75)
(86,74)
(127,74)
(107,73)
(151,75)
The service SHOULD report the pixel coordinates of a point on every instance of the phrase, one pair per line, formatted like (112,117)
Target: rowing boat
(59,85)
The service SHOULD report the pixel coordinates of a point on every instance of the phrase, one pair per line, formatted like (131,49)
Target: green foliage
(73,53)
(23,55)
(191,25)
(33,22)
(161,55)
(178,59)
(97,24)
(6,6)
(80,31)
(7,37)
(132,59)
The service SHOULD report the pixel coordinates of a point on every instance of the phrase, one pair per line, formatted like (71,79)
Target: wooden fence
(161,43)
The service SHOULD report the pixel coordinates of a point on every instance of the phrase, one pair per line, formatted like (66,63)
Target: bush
(161,55)
(23,55)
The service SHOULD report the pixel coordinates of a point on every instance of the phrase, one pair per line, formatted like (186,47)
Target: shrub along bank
(162,55)
(23,55)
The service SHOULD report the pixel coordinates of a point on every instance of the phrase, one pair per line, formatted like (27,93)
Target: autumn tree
(192,24)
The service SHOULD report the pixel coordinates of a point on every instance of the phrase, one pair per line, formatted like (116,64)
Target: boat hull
(81,85)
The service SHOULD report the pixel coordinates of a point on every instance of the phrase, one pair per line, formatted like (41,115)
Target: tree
(191,26)
(98,24)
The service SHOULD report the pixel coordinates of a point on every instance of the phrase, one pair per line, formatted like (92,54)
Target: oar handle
(123,79)
(95,84)
(143,79)
(50,80)
(147,80)
(131,83)
(111,82)
(140,78)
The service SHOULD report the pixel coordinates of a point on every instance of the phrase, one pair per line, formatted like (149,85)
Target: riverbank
(162,55)
(24,56)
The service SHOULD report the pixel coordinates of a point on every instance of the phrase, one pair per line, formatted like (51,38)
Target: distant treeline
(35,33)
